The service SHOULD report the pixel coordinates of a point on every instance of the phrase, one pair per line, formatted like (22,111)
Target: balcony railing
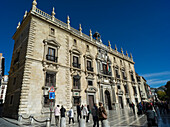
(76,65)
(52,58)
(107,73)
(90,69)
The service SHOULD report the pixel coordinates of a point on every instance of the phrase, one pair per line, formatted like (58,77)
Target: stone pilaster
(68,87)
(23,107)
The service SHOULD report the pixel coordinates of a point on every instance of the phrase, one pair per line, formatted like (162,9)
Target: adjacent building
(2,66)
(3,88)
(141,85)
(48,52)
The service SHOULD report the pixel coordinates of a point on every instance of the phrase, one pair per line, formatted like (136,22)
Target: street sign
(51,95)
(52,89)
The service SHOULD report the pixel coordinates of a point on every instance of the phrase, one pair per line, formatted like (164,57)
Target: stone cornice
(74,32)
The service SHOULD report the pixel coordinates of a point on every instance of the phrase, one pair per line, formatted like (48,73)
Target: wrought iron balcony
(76,65)
(107,73)
(52,58)
(90,69)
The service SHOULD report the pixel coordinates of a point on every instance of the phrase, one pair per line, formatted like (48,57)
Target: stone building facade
(49,52)
(3,88)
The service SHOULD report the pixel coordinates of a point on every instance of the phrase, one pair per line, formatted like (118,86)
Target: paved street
(119,118)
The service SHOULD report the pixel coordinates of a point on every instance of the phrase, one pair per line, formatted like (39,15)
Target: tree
(168,88)
(161,95)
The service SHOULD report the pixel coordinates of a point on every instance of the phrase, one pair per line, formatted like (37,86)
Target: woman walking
(102,112)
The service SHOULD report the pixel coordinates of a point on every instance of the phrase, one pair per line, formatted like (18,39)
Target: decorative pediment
(75,73)
(50,67)
(91,89)
(75,51)
(89,56)
(90,76)
(52,42)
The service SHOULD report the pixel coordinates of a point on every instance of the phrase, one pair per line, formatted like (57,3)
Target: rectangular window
(50,79)
(89,66)
(46,100)
(90,83)
(132,78)
(76,100)
(127,100)
(14,81)
(52,31)
(117,73)
(134,89)
(76,83)
(11,100)
(118,86)
(104,68)
(76,62)
(17,57)
(126,88)
(51,55)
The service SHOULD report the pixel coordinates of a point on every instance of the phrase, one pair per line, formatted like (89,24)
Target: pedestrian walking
(84,111)
(71,115)
(88,115)
(78,112)
(62,111)
(133,107)
(140,108)
(151,117)
(95,114)
(57,115)
(102,112)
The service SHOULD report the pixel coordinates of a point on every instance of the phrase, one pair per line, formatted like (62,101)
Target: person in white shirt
(71,115)
(85,111)
(57,114)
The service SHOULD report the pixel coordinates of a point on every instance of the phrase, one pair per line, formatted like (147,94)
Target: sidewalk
(115,117)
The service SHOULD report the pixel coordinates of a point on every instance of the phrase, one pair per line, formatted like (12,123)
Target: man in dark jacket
(78,112)
(95,114)
(62,111)
(150,116)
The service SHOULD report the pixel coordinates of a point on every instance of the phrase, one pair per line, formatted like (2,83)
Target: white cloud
(163,82)
(156,74)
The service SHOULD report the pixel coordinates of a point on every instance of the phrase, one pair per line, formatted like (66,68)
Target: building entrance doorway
(121,102)
(108,100)
(91,101)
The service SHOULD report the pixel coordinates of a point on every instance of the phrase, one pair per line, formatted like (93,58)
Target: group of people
(83,111)
(152,110)
(98,113)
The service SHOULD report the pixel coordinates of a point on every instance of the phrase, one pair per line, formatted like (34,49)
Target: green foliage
(168,88)
(162,95)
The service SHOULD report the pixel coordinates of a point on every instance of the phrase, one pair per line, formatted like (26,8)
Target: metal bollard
(63,122)
(82,123)
(105,123)
(48,124)
(19,118)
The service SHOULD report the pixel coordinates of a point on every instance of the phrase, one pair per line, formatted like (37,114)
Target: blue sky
(142,27)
